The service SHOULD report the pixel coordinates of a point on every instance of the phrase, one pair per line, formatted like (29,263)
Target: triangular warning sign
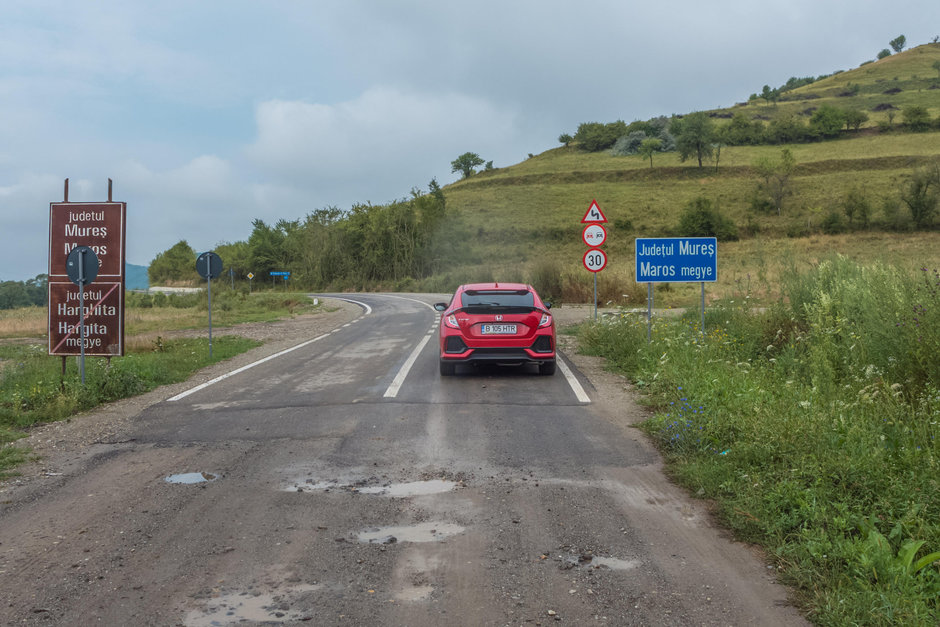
(594,214)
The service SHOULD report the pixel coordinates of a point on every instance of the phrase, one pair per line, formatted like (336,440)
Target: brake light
(546,321)
(451,321)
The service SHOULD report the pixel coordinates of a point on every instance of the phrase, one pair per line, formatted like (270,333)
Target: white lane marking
(399,379)
(243,369)
(572,381)
(203,386)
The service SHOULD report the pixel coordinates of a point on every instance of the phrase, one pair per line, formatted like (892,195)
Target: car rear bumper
(499,356)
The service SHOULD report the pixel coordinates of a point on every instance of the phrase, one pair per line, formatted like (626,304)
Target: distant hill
(519,215)
(135,277)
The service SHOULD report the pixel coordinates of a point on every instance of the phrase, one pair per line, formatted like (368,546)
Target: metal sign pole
(81,309)
(595,297)
(209,279)
(703,310)
(649,313)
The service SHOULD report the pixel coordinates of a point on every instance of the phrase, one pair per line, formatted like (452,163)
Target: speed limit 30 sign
(594,259)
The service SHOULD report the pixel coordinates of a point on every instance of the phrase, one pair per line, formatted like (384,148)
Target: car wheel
(447,368)
(547,368)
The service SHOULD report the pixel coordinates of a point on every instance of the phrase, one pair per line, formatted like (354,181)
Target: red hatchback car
(496,323)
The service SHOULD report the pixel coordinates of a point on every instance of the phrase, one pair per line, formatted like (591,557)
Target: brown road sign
(101,227)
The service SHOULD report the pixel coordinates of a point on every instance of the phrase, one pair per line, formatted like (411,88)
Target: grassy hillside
(527,215)
(900,80)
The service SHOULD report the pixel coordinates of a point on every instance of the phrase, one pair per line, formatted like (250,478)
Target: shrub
(700,219)
(786,129)
(629,144)
(916,118)
(856,207)
(594,136)
(827,122)
(833,223)
(922,195)
(546,278)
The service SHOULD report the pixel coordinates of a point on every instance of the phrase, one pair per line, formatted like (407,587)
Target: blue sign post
(676,260)
(282,273)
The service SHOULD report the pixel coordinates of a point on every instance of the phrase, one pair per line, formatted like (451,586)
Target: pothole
(588,560)
(245,607)
(422,532)
(614,563)
(391,490)
(191,477)
(413,488)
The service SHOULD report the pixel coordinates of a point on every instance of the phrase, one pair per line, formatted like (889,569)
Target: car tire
(447,368)
(547,368)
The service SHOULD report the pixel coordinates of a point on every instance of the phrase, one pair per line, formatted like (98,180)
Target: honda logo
(499,318)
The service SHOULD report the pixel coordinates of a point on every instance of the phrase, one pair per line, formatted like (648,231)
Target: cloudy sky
(209,114)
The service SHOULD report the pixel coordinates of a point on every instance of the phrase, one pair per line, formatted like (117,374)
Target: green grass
(33,389)
(814,427)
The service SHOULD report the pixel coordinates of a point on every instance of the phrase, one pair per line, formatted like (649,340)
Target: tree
(827,121)
(29,293)
(897,44)
(775,177)
(594,136)
(854,119)
(565,139)
(884,53)
(694,136)
(922,195)
(466,164)
(786,129)
(648,147)
(177,263)
(770,95)
(917,118)
(742,130)
(856,206)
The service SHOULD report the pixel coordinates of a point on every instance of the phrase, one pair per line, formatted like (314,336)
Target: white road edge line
(573,381)
(203,386)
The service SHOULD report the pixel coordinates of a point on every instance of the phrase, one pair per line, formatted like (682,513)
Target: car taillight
(451,321)
(546,321)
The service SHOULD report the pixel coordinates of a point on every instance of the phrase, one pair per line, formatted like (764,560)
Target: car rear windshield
(493,299)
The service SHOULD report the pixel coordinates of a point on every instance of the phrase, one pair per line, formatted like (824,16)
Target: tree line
(698,134)
(32,292)
(369,245)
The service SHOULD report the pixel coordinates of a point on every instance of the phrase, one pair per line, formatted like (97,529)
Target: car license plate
(499,329)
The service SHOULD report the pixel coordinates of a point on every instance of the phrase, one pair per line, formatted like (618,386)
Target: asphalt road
(345,482)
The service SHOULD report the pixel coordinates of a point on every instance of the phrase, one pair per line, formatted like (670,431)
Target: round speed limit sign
(595,259)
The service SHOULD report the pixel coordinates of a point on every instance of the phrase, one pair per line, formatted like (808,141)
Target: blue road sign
(280,273)
(676,259)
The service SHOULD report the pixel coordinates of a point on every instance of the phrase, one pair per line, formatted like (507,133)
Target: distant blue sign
(285,274)
(676,259)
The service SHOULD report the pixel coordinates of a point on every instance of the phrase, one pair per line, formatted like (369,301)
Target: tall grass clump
(814,426)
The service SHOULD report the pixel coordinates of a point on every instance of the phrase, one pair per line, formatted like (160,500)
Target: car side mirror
(548,305)
(440,306)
